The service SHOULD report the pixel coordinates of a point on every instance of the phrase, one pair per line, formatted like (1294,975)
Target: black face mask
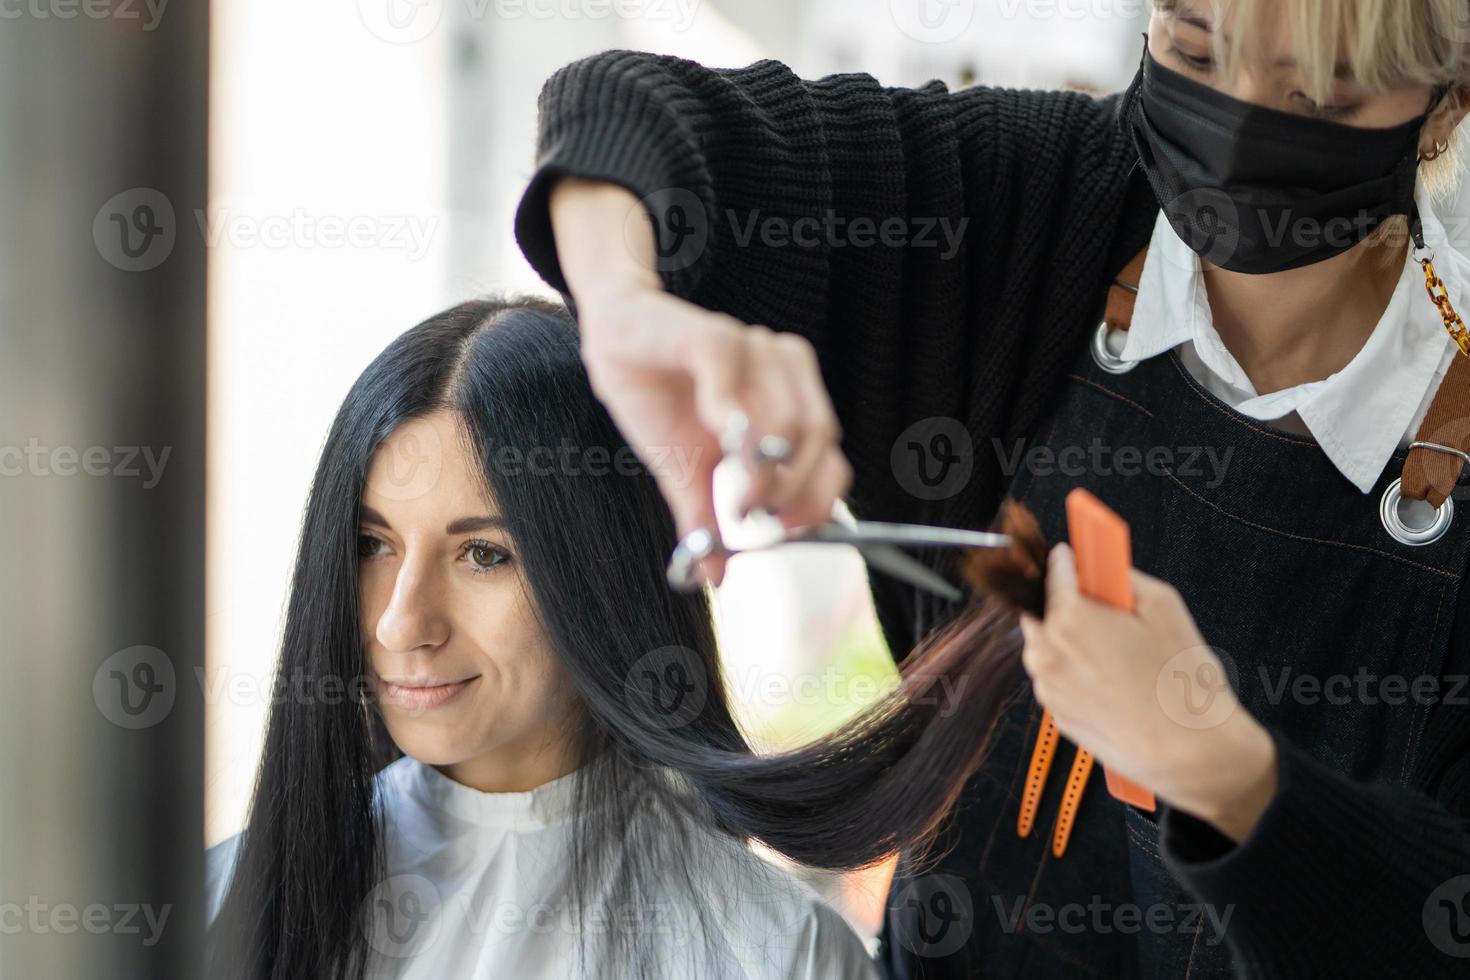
(1256,190)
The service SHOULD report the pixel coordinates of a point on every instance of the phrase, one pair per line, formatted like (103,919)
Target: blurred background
(214,216)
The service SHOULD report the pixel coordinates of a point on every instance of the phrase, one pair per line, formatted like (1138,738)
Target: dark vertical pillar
(102,319)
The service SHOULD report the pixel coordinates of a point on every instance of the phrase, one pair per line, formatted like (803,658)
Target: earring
(1439,149)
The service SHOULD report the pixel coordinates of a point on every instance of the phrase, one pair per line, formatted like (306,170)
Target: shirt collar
(1361,415)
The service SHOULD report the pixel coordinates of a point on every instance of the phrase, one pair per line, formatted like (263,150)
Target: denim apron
(1293,581)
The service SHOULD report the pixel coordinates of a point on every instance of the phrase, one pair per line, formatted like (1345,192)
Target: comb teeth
(1016,574)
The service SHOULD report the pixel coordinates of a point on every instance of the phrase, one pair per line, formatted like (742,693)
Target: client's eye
(368,545)
(484,557)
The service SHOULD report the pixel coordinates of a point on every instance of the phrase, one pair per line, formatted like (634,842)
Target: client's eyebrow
(484,522)
(489,522)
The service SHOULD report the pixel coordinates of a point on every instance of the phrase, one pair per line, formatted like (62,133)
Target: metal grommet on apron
(1401,531)
(1116,319)
(1102,350)
(1433,469)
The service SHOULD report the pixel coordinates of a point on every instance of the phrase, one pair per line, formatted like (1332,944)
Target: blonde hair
(1385,44)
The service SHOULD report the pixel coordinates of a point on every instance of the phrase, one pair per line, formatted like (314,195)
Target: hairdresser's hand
(1145,694)
(671,373)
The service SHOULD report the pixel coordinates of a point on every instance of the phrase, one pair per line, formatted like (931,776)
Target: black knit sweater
(983,334)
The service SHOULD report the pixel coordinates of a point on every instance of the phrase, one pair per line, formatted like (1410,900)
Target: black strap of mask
(1416,225)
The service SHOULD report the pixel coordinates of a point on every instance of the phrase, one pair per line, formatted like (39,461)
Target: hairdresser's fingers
(670,375)
(829,483)
(694,509)
(717,356)
(816,433)
(1062,594)
(773,408)
(1038,656)
(1156,601)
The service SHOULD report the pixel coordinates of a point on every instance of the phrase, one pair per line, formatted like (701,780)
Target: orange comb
(1104,554)
(1102,546)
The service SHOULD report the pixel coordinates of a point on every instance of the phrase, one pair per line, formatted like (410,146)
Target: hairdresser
(1232,255)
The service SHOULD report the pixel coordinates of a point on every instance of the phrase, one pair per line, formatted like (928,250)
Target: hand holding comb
(1102,544)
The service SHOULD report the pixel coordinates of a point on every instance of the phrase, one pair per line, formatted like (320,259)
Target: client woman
(481,561)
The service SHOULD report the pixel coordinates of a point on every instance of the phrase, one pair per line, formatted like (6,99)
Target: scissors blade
(887,558)
(905,535)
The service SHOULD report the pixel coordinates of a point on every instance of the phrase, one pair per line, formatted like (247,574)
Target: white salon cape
(1361,414)
(477,885)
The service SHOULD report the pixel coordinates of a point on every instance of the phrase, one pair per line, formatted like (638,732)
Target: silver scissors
(878,542)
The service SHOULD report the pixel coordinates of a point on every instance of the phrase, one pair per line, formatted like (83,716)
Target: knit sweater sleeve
(944,252)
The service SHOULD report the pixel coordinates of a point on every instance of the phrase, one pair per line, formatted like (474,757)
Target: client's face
(461,668)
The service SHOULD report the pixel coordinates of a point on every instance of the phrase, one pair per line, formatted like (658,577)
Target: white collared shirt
(483,882)
(1360,415)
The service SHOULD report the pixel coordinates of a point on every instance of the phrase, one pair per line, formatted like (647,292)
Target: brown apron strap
(1431,472)
(1123,294)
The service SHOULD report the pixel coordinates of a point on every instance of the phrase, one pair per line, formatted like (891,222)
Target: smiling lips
(421,695)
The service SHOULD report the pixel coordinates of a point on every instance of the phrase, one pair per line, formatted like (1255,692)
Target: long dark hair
(642,658)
